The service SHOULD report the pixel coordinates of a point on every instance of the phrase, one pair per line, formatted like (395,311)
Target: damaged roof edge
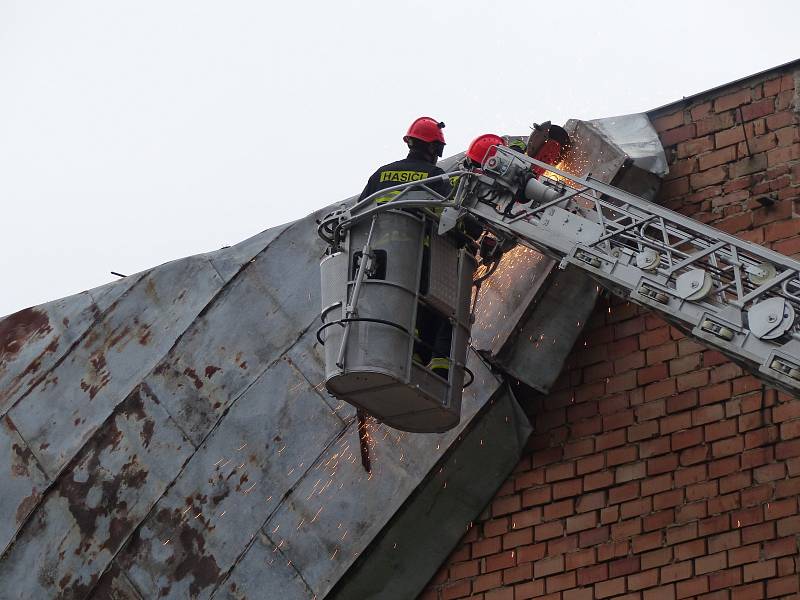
(664,108)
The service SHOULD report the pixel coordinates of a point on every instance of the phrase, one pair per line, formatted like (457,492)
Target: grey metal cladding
(34,339)
(270,437)
(96,503)
(257,317)
(229,261)
(264,571)
(61,414)
(24,482)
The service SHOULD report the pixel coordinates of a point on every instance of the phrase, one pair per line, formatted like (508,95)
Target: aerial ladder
(729,294)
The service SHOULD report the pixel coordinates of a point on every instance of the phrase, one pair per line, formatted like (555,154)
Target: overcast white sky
(133,133)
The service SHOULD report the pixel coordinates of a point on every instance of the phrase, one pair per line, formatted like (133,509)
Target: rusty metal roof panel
(23,484)
(93,508)
(231,485)
(61,413)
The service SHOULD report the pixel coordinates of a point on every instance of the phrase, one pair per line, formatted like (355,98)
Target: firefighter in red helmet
(425,142)
(482,147)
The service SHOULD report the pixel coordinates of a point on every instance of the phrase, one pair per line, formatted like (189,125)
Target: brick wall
(658,470)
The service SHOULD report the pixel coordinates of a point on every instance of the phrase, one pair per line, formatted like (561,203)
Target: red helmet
(425,129)
(483,144)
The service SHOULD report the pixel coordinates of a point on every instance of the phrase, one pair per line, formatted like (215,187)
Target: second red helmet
(477,151)
(425,129)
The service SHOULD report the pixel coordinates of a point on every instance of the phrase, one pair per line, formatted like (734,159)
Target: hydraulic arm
(730,294)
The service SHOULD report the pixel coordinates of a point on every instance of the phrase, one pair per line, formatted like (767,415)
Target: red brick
(548,566)
(548,531)
(707,414)
(690,549)
(718,157)
(664,592)
(593,574)
(578,594)
(456,590)
(691,587)
(714,123)
(714,525)
(769,473)
(642,580)
(612,587)
(655,337)
(685,439)
(618,456)
(536,496)
(581,558)
(732,100)
(654,447)
(724,579)
(486,547)
(724,541)
(676,572)
(787,449)
(721,429)
(678,134)
(709,177)
(612,439)
(599,480)
(712,562)
(691,512)
(676,119)
(754,591)
(520,537)
(694,147)
(681,534)
(759,570)
(580,522)
(658,520)
(758,533)
(464,569)
(728,446)
(783,586)
(694,455)
(654,485)
(668,499)
(781,547)
(593,537)
(506,504)
(657,558)
(531,553)
(501,594)
(728,137)
(788,526)
(489,581)
(663,352)
(758,109)
(496,562)
(557,583)
(743,555)
(723,503)
(526,518)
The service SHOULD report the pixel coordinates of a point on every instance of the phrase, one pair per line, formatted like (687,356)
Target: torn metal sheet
(541,311)
(637,138)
